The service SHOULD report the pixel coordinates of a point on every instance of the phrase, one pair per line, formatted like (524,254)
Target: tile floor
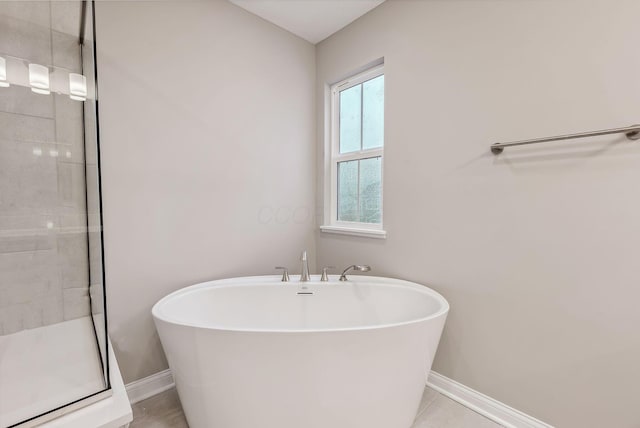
(436,411)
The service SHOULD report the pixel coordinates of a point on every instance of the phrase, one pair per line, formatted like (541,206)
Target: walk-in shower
(53,339)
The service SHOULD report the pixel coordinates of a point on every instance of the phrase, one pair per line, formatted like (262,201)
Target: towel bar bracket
(633,135)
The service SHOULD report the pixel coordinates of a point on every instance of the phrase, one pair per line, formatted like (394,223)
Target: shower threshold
(49,367)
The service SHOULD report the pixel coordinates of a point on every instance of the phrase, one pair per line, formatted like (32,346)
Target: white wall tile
(66,51)
(21,100)
(27,12)
(76,302)
(73,259)
(65,16)
(17,127)
(25,40)
(69,130)
(28,182)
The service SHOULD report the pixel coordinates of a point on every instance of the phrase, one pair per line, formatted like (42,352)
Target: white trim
(333,156)
(353,231)
(377,152)
(480,403)
(149,386)
(363,76)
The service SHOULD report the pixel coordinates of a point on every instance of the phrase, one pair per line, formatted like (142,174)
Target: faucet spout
(361,268)
(304,272)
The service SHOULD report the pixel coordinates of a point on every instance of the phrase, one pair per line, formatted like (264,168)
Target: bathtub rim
(275,279)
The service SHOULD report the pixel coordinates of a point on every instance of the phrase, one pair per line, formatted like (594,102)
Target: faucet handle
(360,268)
(285,273)
(324,276)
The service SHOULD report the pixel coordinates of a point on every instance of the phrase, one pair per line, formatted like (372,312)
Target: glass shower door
(53,347)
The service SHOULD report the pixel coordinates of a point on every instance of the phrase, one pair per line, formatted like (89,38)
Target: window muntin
(356,156)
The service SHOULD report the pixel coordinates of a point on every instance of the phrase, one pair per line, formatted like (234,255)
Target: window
(353,187)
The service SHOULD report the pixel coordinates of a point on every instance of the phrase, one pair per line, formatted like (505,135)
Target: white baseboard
(480,403)
(149,386)
(493,409)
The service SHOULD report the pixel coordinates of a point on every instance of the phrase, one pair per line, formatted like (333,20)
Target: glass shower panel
(52,327)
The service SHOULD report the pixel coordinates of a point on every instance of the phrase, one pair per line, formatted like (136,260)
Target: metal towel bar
(632,133)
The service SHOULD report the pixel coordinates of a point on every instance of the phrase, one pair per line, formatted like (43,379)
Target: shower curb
(488,407)
(149,386)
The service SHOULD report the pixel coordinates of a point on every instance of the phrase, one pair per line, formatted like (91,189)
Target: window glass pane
(373,113)
(350,119)
(370,186)
(348,191)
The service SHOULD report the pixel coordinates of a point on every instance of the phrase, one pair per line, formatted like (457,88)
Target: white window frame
(333,157)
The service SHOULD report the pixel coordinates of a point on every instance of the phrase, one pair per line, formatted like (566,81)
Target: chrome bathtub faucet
(325,277)
(304,271)
(360,268)
(285,273)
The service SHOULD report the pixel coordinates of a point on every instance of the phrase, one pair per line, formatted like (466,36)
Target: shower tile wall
(43,241)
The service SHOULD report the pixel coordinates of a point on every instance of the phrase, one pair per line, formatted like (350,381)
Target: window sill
(353,231)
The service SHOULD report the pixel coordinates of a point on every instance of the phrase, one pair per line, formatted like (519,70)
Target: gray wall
(536,250)
(43,269)
(207,132)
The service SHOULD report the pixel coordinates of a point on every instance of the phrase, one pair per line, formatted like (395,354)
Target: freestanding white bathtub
(259,353)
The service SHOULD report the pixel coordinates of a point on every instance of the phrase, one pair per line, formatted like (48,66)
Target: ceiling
(313,20)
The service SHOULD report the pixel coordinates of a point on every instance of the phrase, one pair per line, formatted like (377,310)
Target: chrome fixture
(77,87)
(3,73)
(39,79)
(304,271)
(285,273)
(632,133)
(360,268)
(325,277)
